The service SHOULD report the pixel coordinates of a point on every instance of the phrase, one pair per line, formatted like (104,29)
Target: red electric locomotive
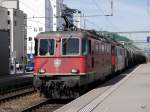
(67,61)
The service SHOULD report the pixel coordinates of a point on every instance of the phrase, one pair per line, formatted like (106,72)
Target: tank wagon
(68,61)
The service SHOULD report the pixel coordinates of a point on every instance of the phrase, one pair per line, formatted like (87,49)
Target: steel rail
(16,94)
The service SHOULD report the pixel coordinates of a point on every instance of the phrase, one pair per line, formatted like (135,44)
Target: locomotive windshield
(46,47)
(70,46)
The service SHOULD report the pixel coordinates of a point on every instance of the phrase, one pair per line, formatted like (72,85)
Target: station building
(3,20)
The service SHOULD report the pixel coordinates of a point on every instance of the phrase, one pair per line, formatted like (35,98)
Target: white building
(41,16)
(3,18)
(16,23)
(57,6)
(10,4)
(18,34)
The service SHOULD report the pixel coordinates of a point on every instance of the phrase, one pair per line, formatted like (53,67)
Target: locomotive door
(88,53)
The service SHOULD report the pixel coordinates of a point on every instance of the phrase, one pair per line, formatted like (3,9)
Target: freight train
(68,61)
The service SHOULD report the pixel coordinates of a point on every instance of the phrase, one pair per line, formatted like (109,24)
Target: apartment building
(15,21)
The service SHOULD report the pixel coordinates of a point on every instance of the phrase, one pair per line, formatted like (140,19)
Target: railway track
(27,100)
(7,95)
(46,105)
(4,92)
(17,102)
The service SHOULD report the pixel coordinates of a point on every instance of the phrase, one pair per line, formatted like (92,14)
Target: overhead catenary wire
(86,16)
(94,24)
(82,16)
(111,14)
(47,25)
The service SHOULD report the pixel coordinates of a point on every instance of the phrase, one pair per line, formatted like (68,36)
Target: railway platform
(131,93)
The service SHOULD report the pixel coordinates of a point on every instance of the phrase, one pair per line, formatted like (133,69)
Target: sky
(128,15)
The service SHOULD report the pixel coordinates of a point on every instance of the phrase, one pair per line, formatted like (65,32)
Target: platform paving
(131,94)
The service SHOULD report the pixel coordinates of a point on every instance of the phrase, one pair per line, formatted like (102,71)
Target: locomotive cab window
(46,47)
(85,47)
(70,46)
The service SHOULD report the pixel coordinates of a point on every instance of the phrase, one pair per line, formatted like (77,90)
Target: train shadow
(115,78)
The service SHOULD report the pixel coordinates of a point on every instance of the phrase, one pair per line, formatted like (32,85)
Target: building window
(15,13)
(30,38)
(15,23)
(8,12)
(40,29)
(35,29)
(8,22)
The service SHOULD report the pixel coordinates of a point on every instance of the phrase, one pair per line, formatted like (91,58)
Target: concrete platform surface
(131,94)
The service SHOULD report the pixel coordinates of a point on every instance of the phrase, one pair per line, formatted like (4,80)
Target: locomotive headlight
(74,71)
(42,71)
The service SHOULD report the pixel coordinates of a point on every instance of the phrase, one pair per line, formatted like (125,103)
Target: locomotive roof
(58,33)
(72,33)
(79,33)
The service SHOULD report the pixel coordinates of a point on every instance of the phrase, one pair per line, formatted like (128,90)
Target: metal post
(15,66)
(23,62)
(84,21)
(112,7)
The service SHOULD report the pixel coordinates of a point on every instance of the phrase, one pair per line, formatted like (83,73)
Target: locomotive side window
(103,49)
(90,49)
(122,51)
(85,46)
(113,50)
(46,47)
(97,47)
(70,46)
(108,49)
(100,48)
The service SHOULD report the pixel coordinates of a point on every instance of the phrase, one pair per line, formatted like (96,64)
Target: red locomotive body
(73,59)
(65,57)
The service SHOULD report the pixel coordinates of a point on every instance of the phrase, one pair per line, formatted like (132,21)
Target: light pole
(112,7)
(30,39)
